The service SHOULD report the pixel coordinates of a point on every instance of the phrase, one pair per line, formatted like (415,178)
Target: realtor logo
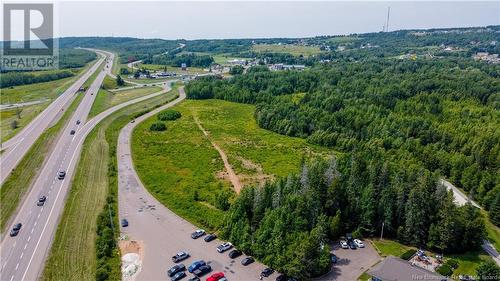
(28,37)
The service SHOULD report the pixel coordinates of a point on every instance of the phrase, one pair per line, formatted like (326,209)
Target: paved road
(16,147)
(23,257)
(22,104)
(460,199)
(161,231)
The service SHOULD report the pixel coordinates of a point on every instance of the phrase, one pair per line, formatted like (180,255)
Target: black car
(266,272)
(176,268)
(124,222)
(235,253)
(202,270)
(178,276)
(78,122)
(352,245)
(210,237)
(41,201)
(333,258)
(248,260)
(72,132)
(15,229)
(194,279)
(281,277)
(61,175)
(180,256)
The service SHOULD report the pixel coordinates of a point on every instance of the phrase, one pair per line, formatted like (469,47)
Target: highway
(23,256)
(162,232)
(15,148)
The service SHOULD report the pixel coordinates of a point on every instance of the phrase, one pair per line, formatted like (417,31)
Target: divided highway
(15,148)
(23,257)
(161,231)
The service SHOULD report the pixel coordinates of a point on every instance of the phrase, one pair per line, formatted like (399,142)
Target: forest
(287,223)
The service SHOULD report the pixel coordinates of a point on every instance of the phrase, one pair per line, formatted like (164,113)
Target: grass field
(18,182)
(28,113)
(389,247)
(72,256)
(190,70)
(109,83)
(343,39)
(184,172)
(106,99)
(295,50)
(492,231)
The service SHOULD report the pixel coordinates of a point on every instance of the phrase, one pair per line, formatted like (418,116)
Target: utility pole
(382,231)
(387,21)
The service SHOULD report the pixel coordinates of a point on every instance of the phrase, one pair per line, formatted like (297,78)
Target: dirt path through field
(235,181)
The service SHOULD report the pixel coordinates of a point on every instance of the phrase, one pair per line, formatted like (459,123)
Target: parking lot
(351,263)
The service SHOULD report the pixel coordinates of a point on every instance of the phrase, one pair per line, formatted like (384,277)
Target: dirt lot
(351,263)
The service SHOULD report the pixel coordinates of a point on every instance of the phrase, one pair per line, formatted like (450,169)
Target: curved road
(161,231)
(16,147)
(23,256)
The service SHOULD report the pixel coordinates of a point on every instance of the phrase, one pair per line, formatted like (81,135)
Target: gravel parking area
(351,263)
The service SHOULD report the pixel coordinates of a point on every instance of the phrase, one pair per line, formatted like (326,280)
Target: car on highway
(78,122)
(72,132)
(124,222)
(176,268)
(246,261)
(180,256)
(41,201)
(61,175)
(216,276)
(235,253)
(210,237)
(224,247)
(358,243)
(198,233)
(202,270)
(178,276)
(195,265)
(15,229)
(267,272)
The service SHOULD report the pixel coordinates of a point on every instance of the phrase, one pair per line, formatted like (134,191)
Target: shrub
(158,126)
(445,270)
(452,263)
(169,115)
(408,254)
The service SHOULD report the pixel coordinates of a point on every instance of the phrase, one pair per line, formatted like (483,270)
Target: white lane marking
(22,254)
(17,266)
(11,277)
(32,230)
(29,238)
(35,223)
(25,246)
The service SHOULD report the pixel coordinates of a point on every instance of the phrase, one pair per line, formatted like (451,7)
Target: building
(396,269)
(183,66)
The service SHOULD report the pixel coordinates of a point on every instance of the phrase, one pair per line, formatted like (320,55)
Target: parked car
(41,201)
(266,272)
(198,233)
(352,245)
(235,253)
(195,265)
(61,175)
(195,278)
(216,276)
(176,268)
(349,237)
(124,222)
(281,277)
(178,276)
(202,270)
(180,256)
(333,258)
(223,279)
(248,260)
(210,237)
(358,243)
(224,247)
(72,132)
(15,229)
(343,244)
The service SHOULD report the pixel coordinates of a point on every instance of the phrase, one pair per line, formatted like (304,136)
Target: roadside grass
(469,262)
(73,254)
(295,50)
(109,83)
(106,99)
(390,247)
(17,184)
(183,171)
(492,231)
(8,116)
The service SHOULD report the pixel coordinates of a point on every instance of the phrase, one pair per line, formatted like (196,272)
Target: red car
(216,276)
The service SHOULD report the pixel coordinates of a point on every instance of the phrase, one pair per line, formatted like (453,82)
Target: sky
(259,19)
